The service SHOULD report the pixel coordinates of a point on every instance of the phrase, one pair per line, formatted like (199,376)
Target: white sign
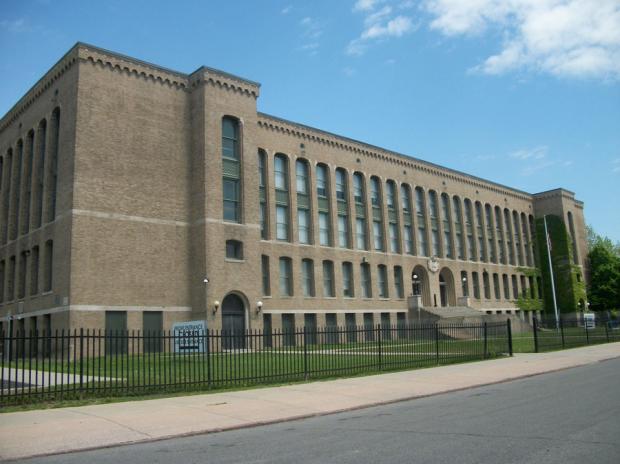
(189,337)
(589,320)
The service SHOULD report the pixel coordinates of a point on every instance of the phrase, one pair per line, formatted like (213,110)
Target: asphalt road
(565,417)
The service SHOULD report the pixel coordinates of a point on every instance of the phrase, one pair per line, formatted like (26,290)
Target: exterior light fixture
(259,306)
(216,305)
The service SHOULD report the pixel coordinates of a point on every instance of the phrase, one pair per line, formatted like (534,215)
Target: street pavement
(52,431)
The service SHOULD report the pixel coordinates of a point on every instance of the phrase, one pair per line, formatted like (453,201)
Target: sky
(521,92)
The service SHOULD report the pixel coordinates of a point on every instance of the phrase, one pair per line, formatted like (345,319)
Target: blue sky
(521,92)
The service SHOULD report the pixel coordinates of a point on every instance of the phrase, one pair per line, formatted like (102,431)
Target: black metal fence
(87,363)
(571,332)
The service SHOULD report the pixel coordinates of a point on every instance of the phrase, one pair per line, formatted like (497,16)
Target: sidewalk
(30,433)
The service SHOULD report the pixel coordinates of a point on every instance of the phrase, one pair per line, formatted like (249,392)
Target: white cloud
(615,165)
(535,153)
(16,25)
(286,10)
(379,24)
(365,5)
(567,38)
(348,71)
(536,167)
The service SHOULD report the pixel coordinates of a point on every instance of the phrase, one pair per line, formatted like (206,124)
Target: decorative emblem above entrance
(433,264)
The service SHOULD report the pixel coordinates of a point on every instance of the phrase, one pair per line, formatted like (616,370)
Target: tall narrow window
(303,201)
(499,234)
(508,233)
(280,171)
(286,277)
(421,217)
(377,213)
(2,279)
(496,288)
(469,230)
(262,194)
(398,282)
(517,237)
(266,276)
(382,281)
(515,287)
(21,284)
(523,286)
(322,193)
(506,286)
(526,240)
(39,173)
(365,280)
(432,202)
(446,223)
(459,239)
(347,280)
(361,241)
(405,194)
(27,188)
(476,285)
(307,277)
(392,216)
(328,279)
(487,285)
(480,232)
(6,194)
(488,217)
(231,167)
(15,196)
(342,199)
(49,266)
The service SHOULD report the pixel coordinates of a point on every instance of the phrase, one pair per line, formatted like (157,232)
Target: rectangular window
(515,287)
(487,285)
(365,280)
(286,283)
(231,199)
(307,277)
(382,280)
(21,287)
(343,233)
(324,231)
(398,282)
(496,289)
(49,265)
(263,220)
(265,275)
(360,233)
(301,171)
(377,228)
(303,228)
(282,222)
(115,327)
(280,173)
(408,239)
(10,284)
(369,326)
(347,280)
(153,326)
(476,284)
(288,329)
(328,279)
(386,326)
(394,245)
(506,286)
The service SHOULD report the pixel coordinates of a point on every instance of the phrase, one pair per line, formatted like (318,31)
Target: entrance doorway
(443,291)
(233,322)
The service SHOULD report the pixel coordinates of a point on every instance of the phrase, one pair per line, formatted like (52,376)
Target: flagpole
(555,304)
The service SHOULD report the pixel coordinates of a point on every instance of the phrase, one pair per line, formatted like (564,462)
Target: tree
(604,257)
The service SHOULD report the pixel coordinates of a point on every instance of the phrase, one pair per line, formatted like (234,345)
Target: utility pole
(555,304)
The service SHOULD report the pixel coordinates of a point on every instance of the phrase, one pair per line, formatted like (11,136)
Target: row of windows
(308,284)
(28,180)
(529,286)
(446,227)
(29,260)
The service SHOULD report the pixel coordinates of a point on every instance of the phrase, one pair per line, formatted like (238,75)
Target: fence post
(607,331)
(562,332)
(486,341)
(436,343)
(81,360)
(535,327)
(379,341)
(509,329)
(305,353)
(208,351)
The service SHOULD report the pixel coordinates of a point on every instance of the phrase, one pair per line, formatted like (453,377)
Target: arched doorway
(447,293)
(233,322)
(420,285)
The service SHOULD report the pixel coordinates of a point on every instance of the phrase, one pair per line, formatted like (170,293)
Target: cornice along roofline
(413,162)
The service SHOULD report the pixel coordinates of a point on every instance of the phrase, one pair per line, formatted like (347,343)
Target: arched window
(280,171)
(231,167)
(526,240)
(390,195)
(517,237)
(328,279)
(375,191)
(421,217)
(432,203)
(509,237)
(322,192)
(52,172)
(446,223)
(382,281)
(307,277)
(361,241)
(458,228)
(304,228)
(469,230)
(499,234)
(301,175)
(342,199)
(262,194)
(488,216)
